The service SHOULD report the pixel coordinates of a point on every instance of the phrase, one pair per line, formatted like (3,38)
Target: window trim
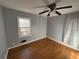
(19,27)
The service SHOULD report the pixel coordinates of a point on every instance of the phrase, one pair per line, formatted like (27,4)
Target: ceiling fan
(52,7)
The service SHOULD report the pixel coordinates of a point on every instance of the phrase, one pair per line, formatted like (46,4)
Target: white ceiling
(27,5)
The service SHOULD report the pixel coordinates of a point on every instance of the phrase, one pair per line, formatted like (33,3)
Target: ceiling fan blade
(48,14)
(64,7)
(58,13)
(43,12)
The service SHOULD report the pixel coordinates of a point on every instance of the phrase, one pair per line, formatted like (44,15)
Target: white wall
(55,27)
(38,23)
(3,45)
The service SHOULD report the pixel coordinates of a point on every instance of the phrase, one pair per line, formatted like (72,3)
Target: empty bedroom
(39,29)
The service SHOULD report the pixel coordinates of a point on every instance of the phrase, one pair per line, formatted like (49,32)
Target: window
(24,25)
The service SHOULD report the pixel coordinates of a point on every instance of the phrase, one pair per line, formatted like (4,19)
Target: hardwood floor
(43,49)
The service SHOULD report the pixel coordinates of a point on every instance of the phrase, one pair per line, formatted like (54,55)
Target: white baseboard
(62,43)
(36,40)
(22,44)
(26,43)
(6,54)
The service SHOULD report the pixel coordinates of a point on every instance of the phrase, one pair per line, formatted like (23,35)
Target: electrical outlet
(23,41)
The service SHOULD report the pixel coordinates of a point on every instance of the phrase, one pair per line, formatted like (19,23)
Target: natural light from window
(24,25)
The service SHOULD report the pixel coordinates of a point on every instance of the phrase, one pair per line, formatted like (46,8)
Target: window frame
(25,27)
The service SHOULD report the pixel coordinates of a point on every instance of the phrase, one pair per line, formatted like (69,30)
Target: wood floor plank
(43,49)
